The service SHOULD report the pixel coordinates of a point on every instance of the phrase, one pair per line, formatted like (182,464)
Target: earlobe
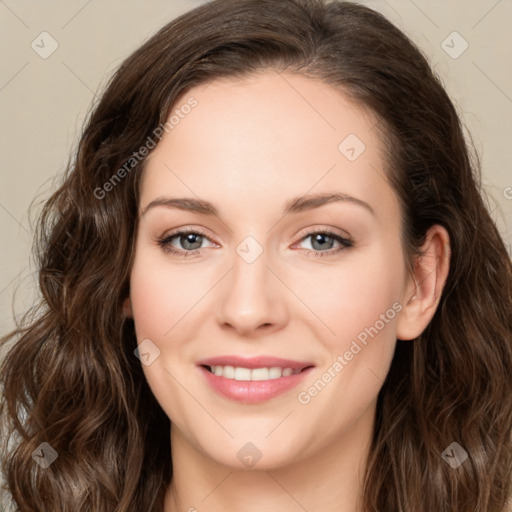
(127,308)
(425,286)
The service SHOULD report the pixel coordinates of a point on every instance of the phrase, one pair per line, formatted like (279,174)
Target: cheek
(357,293)
(362,312)
(159,300)
(360,306)
(165,304)
(147,304)
(158,297)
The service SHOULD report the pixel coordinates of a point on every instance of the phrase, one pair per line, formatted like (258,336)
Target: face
(266,304)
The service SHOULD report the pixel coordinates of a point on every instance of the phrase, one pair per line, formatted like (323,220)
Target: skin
(250,146)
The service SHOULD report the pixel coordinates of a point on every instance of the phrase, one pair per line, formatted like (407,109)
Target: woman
(199,347)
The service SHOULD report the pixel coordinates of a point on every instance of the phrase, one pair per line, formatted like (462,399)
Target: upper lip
(254,362)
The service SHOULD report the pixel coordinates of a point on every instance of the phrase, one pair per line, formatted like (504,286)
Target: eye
(190,241)
(322,242)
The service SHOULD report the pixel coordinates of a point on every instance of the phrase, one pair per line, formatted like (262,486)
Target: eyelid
(324,229)
(185,230)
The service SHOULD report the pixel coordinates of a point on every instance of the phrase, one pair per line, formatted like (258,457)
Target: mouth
(253,380)
(251,374)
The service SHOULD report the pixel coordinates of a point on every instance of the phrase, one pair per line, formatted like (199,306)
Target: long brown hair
(71,378)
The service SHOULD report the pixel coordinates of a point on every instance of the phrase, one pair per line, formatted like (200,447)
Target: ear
(127,308)
(425,285)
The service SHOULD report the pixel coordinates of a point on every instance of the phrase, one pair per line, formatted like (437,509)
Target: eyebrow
(295,205)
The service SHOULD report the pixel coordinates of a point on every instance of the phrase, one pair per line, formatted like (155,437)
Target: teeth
(254,374)
(242,373)
(259,374)
(275,373)
(228,372)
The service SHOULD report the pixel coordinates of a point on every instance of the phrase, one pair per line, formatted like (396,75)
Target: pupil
(189,239)
(320,238)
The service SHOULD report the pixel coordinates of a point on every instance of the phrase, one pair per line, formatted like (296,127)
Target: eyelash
(165,241)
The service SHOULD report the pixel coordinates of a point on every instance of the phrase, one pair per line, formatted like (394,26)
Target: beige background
(44,101)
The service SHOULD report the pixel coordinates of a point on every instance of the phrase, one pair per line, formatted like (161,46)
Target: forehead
(269,135)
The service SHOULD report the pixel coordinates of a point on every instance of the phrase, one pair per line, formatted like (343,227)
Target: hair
(71,379)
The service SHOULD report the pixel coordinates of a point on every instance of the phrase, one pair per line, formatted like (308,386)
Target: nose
(252,298)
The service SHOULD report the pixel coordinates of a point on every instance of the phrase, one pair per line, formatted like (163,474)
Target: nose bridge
(252,296)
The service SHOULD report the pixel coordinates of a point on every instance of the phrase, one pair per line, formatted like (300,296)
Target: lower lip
(253,392)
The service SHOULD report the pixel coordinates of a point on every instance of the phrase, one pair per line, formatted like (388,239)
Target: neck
(330,480)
